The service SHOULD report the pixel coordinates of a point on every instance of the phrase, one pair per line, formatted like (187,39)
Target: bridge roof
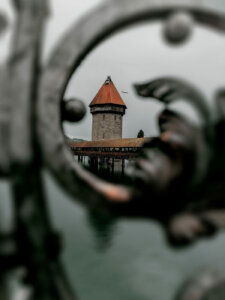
(108,94)
(116,143)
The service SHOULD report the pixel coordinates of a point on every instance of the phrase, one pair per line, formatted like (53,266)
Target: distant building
(107,109)
(108,152)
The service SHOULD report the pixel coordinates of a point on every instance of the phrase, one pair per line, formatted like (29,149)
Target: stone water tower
(108,109)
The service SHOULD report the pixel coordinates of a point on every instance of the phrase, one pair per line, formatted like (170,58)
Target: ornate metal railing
(182,169)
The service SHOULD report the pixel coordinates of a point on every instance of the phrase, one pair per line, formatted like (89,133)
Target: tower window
(115,118)
(103,117)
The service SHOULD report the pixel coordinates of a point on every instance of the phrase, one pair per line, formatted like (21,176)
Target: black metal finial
(108,80)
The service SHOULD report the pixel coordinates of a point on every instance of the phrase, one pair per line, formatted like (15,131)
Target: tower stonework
(107,109)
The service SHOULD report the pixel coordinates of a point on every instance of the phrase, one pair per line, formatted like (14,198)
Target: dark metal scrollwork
(173,170)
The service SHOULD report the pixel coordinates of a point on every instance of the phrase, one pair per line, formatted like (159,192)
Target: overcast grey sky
(134,55)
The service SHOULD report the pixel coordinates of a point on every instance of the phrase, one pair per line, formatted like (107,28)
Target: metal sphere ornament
(178,28)
(73,110)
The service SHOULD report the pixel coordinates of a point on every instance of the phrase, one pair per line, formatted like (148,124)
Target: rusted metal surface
(184,162)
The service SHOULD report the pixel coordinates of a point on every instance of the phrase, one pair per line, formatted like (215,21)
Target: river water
(137,263)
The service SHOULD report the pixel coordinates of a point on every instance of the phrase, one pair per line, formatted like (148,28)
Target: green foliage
(141,134)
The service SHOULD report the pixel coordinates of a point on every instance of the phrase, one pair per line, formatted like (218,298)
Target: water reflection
(136,264)
(104,228)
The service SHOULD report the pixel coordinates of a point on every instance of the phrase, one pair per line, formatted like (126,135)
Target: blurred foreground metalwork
(178,179)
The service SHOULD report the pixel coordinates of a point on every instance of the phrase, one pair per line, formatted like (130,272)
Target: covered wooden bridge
(107,154)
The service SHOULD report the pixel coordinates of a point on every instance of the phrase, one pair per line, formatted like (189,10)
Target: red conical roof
(108,94)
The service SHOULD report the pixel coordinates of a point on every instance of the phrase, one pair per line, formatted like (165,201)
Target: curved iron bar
(4,123)
(37,246)
(166,155)
(168,90)
(66,58)
(3,23)
(65,61)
